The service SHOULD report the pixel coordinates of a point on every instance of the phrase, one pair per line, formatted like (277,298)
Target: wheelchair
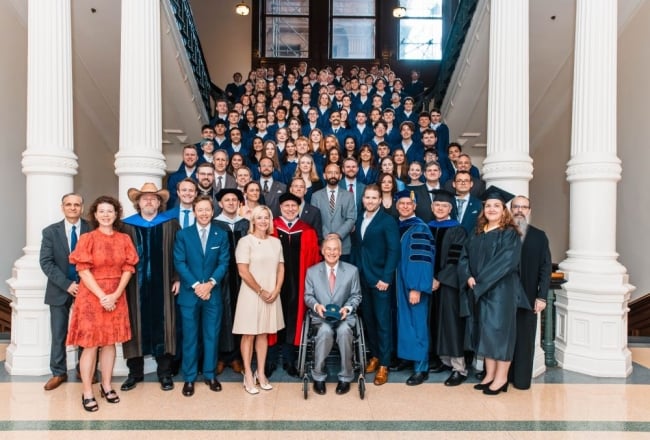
(307,347)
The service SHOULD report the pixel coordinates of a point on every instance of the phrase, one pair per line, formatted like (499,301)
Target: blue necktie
(186,218)
(72,270)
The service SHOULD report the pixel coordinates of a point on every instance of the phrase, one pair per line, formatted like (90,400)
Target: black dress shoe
(130,382)
(269,369)
(417,378)
(455,379)
(291,370)
(439,368)
(482,386)
(188,389)
(319,387)
(214,384)
(400,365)
(490,392)
(342,387)
(166,383)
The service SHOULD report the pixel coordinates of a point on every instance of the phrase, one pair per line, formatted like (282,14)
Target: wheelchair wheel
(305,386)
(361,348)
(302,351)
(362,388)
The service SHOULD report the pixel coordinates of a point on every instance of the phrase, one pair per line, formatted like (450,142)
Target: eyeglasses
(520,207)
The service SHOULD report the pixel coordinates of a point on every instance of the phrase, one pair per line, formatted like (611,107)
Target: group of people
(437,265)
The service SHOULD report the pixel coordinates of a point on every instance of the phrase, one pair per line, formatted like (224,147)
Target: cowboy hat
(148,188)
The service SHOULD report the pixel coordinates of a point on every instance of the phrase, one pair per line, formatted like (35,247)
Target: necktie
(431,194)
(186,218)
(266,187)
(461,208)
(72,270)
(332,280)
(219,184)
(204,238)
(351,188)
(332,202)
(289,224)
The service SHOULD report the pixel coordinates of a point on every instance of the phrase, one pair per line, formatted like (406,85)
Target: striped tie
(332,202)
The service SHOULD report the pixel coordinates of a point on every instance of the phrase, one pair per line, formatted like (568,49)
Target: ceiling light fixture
(399,12)
(242,9)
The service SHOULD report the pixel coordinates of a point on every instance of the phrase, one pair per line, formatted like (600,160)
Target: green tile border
(320,425)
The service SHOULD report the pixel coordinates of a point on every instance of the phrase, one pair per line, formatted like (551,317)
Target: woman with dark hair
(296,112)
(489,274)
(401,164)
(255,155)
(350,148)
(252,199)
(367,169)
(289,161)
(387,165)
(105,260)
(237,160)
(388,186)
(333,156)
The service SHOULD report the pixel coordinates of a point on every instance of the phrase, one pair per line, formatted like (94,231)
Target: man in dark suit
(185,170)
(271,189)
(337,208)
(467,206)
(201,257)
(308,212)
(464,163)
(535,274)
(350,182)
(424,193)
(333,282)
(62,280)
(376,251)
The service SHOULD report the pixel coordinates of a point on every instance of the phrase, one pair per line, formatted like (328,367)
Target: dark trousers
(521,369)
(59,316)
(164,366)
(375,308)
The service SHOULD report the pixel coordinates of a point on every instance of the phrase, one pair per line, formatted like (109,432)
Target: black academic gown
(535,273)
(492,258)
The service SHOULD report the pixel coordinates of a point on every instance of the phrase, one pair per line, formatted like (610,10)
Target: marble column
(592,307)
(140,157)
(508,164)
(49,165)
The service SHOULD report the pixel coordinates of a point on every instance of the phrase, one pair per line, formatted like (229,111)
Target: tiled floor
(559,405)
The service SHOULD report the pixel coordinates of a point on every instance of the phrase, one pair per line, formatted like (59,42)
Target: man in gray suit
(62,280)
(271,189)
(337,209)
(333,282)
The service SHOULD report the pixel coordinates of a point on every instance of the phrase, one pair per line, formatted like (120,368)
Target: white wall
(634,149)
(226,39)
(13,120)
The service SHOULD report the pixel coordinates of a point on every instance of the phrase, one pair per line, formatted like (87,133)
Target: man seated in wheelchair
(333,294)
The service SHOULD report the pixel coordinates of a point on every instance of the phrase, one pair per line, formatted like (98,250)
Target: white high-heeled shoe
(251,390)
(265,386)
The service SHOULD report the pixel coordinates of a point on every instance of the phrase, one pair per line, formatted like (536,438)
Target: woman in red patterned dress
(105,261)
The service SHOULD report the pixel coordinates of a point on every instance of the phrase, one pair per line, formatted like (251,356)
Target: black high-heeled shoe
(490,392)
(86,403)
(482,386)
(110,396)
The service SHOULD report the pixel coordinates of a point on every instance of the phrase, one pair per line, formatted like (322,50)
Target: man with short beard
(535,274)
(185,170)
(205,178)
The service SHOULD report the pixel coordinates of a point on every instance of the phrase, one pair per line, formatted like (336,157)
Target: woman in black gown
(489,271)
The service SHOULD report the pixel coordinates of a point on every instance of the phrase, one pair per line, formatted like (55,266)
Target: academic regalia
(414,272)
(449,330)
(231,281)
(301,251)
(492,258)
(149,293)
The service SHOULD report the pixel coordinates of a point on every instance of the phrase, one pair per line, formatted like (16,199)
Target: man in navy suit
(467,206)
(62,280)
(350,182)
(185,170)
(333,282)
(376,252)
(201,256)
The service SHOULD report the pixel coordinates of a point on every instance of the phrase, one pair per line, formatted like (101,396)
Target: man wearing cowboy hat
(150,294)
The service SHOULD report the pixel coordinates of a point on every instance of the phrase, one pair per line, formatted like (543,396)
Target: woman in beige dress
(259,310)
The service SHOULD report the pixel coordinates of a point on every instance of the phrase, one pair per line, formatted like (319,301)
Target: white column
(592,307)
(508,164)
(49,165)
(140,157)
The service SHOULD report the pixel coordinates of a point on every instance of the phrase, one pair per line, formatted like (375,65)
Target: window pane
(287,37)
(354,8)
(353,38)
(287,7)
(420,39)
(423,8)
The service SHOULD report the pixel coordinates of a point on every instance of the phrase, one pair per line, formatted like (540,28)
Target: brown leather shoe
(55,381)
(372,365)
(236,366)
(220,367)
(381,377)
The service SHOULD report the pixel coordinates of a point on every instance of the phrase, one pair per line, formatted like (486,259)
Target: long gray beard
(523,226)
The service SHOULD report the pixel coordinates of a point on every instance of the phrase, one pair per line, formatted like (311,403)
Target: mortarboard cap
(494,192)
